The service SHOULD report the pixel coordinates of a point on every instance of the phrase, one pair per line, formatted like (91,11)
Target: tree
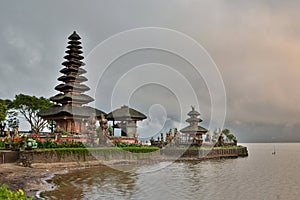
(229,135)
(51,124)
(29,106)
(226,131)
(12,119)
(110,129)
(3,113)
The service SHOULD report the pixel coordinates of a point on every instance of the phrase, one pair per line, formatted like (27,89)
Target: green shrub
(2,144)
(140,149)
(48,144)
(10,195)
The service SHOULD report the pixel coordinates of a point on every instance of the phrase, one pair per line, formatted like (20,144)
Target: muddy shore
(34,179)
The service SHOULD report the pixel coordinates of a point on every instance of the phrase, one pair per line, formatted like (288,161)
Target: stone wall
(54,156)
(206,153)
(8,156)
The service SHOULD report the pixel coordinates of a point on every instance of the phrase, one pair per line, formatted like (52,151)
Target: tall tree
(3,113)
(29,106)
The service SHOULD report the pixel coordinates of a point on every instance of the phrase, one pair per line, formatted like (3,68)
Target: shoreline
(30,180)
(36,179)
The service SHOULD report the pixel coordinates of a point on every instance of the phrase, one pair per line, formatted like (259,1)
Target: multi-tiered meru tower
(192,134)
(69,113)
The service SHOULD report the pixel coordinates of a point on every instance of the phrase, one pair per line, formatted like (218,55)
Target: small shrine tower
(192,134)
(69,113)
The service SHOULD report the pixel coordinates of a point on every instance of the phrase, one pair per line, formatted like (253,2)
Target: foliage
(15,141)
(142,149)
(229,135)
(136,148)
(225,131)
(229,147)
(3,114)
(51,125)
(3,111)
(12,119)
(2,144)
(65,144)
(10,195)
(29,106)
(110,129)
(124,144)
(81,152)
(63,132)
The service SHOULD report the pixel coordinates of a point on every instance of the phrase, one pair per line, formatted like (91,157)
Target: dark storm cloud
(255,44)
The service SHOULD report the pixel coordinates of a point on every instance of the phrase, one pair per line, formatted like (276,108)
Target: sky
(247,75)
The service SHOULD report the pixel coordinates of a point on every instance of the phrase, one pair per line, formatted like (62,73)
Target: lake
(261,175)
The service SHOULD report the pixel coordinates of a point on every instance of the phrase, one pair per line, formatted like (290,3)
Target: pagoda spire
(69,113)
(72,89)
(194,131)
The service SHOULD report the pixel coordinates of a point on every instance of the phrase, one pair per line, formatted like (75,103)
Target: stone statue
(220,140)
(162,141)
(152,141)
(16,132)
(8,133)
(208,137)
(169,137)
(176,136)
(103,125)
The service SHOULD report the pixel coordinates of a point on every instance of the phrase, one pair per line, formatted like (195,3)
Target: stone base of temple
(116,154)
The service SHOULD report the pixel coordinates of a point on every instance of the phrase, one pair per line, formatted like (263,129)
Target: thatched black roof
(75,98)
(190,120)
(193,112)
(194,129)
(72,87)
(68,110)
(74,36)
(124,114)
(68,70)
(72,77)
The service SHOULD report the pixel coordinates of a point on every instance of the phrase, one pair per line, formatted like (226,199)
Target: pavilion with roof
(192,134)
(69,113)
(125,118)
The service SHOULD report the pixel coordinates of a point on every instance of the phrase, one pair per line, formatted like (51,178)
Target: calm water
(259,176)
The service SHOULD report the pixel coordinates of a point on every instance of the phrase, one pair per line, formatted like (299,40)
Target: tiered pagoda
(125,118)
(69,113)
(192,134)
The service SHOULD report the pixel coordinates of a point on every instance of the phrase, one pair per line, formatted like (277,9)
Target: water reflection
(259,176)
(93,183)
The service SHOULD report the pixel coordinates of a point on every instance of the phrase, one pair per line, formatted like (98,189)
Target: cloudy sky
(254,44)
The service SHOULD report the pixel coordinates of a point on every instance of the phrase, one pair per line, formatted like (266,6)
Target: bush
(10,195)
(2,144)
(140,149)
(124,144)
(48,144)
